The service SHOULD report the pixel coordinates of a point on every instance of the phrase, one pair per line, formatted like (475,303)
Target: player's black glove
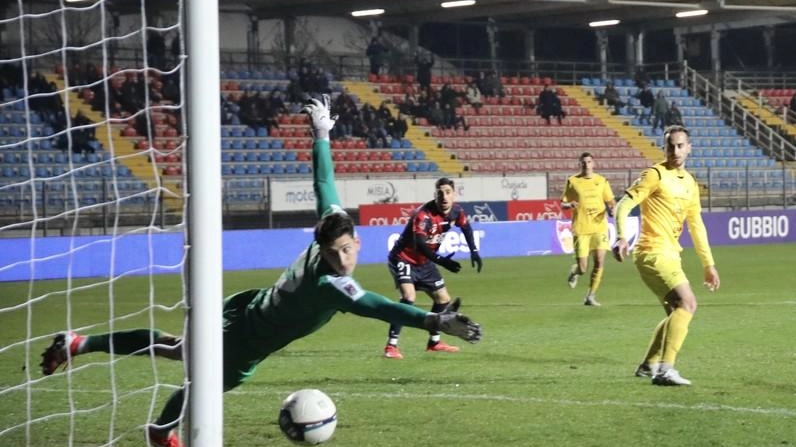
(475,260)
(451,322)
(448,263)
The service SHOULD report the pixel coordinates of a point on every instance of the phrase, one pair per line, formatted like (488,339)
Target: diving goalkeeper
(259,322)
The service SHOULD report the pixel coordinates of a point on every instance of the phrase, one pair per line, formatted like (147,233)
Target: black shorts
(425,277)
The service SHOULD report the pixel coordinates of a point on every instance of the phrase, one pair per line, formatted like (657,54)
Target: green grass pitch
(549,371)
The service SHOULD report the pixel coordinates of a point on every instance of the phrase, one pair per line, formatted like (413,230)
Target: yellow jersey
(591,193)
(667,197)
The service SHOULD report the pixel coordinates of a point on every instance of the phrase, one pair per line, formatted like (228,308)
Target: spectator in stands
(321,81)
(156,50)
(491,85)
(549,105)
(647,100)
(344,127)
(673,116)
(175,48)
(611,97)
(451,120)
(377,132)
(80,137)
(228,110)
(659,111)
(377,54)
(384,112)
(642,78)
(132,99)
(473,95)
(171,91)
(447,95)
(398,127)
(250,114)
(436,116)
(424,63)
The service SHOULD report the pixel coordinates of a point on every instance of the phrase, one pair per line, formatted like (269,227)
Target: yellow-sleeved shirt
(591,193)
(668,197)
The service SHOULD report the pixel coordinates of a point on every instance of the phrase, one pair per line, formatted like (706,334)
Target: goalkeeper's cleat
(670,377)
(647,369)
(441,346)
(56,354)
(572,279)
(392,352)
(159,439)
(590,300)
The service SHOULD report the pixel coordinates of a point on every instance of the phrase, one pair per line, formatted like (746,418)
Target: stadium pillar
(639,50)
(630,51)
(602,51)
(414,37)
(289,28)
(768,39)
(491,30)
(530,50)
(679,43)
(253,43)
(715,52)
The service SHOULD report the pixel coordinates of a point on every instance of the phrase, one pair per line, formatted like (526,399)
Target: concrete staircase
(123,148)
(365,92)
(645,146)
(767,116)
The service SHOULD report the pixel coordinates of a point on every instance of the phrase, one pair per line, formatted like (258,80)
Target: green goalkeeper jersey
(309,292)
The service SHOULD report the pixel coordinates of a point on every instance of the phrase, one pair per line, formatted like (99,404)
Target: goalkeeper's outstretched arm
(326,198)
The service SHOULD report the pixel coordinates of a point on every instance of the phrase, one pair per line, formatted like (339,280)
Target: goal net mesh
(92,134)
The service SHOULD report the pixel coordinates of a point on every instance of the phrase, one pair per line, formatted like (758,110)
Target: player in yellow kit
(590,198)
(668,196)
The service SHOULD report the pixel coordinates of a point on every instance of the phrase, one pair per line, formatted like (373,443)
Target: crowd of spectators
(374,125)
(261,109)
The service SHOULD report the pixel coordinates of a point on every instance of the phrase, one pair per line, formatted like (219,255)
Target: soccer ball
(308,417)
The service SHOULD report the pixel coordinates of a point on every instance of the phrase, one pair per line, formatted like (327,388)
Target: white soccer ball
(308,417)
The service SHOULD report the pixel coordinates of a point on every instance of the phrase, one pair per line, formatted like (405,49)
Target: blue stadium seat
(263,144)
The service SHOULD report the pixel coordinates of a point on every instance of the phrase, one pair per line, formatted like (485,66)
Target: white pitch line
(785,412)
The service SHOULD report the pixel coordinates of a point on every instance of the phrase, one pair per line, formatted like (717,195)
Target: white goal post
(93,237)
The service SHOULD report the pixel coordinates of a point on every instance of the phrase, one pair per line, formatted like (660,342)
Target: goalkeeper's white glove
(451,322)
(320,119)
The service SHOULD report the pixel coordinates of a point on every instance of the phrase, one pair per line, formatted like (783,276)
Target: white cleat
(670,377)
(590,300)
(572,279)
(647,369)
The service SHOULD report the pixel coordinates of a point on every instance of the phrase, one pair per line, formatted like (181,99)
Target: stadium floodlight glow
(457,3)
(604,23)
(694,13)
(367,12)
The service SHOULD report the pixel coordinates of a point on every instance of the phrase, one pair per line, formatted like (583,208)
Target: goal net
(93,225)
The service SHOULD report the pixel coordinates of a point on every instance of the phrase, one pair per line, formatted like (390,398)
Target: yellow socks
(675,330)
(596,279)
(654,351)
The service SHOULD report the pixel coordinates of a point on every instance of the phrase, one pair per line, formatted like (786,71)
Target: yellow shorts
(584,244)
(660,272)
